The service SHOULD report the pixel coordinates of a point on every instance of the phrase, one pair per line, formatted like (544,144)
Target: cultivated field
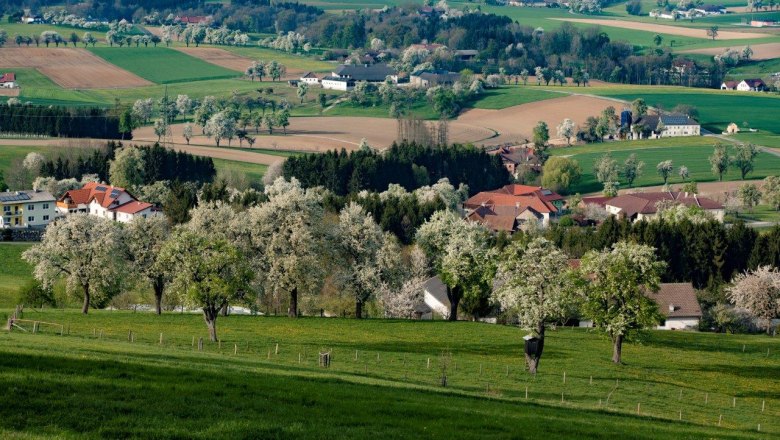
(764,51)
(162,65)
(217,56)
(666,29)
(72,68)
(384,381)
(515,124)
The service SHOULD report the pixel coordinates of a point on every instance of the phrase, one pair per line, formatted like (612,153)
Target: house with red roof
(105,201)
(645,206)
(514,207)
(8,80)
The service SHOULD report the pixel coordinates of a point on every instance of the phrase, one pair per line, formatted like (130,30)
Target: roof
(105,195)
(754,82)
(495,218)
(309,75)
(677,300)
(469,52)
(336,78)
(730,84)
(678,119)
(8,77)
(645,203)
(26,196)
(516,197)
(133,207)
(438,75)
(598,200)
(437,289)
(365,72)
(193,19)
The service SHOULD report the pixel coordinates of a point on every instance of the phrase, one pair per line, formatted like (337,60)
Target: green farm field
(379,384)
(692,152)
(253,171)
(291,61)
(162,65)
(29,30)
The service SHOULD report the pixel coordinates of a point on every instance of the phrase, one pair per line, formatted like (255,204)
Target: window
(31,207)
(45,206)
(6,208)
(30,219)
(45,218)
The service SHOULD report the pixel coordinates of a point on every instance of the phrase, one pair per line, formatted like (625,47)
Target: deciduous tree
(144,238)
(758,292)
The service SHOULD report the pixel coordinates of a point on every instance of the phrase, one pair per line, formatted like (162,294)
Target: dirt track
(72,68)
(764,51)
(666,29)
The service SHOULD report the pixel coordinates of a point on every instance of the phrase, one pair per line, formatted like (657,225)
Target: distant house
(8,81)
(763,23)
(430,47)
(466,54)
(192,19)
(679,305)
(751,85)
(27,209)
(376,73)
(337,83)
(310,78)
(732,128)
(729,85)
(514,207)
(657,126)
(105,201)
(32,19)
(710,10)
(517,158)
(644,206)
(431,78)
(435,297)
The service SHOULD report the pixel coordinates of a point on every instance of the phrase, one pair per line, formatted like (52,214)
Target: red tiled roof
(496,221)
(94,191)
(132,207)
(8,77)
(517,196)
(731,84)
(599,200)
(677,300)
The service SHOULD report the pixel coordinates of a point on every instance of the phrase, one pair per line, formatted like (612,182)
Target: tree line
(59,121)
(408,164)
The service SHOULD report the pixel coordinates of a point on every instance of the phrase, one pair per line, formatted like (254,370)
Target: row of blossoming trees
(286,246)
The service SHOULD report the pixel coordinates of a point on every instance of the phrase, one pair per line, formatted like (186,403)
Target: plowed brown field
(72,68)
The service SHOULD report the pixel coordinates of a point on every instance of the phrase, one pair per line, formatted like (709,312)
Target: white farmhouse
(678,303)
(8,81)
(751,85)
(27,209)
(644,206)
(310,78)
(658,126)
(337,83)
(105,201)
(436,296)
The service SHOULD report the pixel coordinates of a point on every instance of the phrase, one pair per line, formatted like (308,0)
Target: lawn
(695,157)
(716,108)
(162,65)
(9,154)
(383,381)
(755,69)
(15,272)
(761,213)
(253,171)
(508,96)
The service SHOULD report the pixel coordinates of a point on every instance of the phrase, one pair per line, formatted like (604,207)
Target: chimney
(672,308)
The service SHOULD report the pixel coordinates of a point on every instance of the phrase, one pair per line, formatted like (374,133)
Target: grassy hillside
(691,152)
(162,65)
(247,389)
(15,272)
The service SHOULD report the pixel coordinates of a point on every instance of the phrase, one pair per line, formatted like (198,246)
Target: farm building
(729,85)
(431,78)
(466,54)
(658,126)
(376,73)
(644,206)
(27,209)
(763,23)
(435,298)
(310,78)
(515,159)
(514,207)
(751,85)
(105,201)
(8,81)
(336,83)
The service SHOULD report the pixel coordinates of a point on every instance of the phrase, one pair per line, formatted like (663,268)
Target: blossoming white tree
(144,238)
(86,251)
(618,281)
(536,285)
(400,301)
(758,292)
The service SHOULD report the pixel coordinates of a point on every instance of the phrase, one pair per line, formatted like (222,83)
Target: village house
(310,78)
(27,209)
(431,78)
(644,206)
(729,85)
(466,54)
(105,201)
(336,83)
(346,76)
(514,207)
(751,85)
(763,23)
(517,159)
(8,81)
(677,303)
(658,126)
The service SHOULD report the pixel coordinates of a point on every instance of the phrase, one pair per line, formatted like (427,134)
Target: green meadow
(384,381)
(691,152)
(290,60)
(15,272)
(162,65)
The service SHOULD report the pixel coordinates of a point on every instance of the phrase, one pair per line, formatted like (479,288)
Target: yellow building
(25,209)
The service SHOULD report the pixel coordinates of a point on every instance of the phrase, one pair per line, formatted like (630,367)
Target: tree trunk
(358,310)
(85,307)
(533,361)
(158,293)
(618,349)
(210,316)
(225,309)
(454,295)
(292,312)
